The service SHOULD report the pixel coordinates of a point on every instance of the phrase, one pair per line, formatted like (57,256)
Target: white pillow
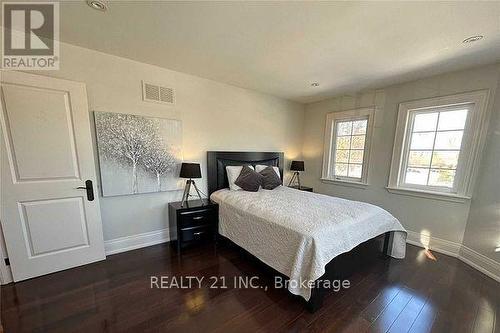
(232,174)
(260,167)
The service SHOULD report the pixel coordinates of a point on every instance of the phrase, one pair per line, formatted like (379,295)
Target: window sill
(428,195)
(344,183)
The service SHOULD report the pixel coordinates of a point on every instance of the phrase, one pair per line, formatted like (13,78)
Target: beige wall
(441,219)
(483,226)
(214,116)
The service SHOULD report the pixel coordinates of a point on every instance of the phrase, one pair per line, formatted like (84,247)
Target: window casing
(347,146)
(437,144)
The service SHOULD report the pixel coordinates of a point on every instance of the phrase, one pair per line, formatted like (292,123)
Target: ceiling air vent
(157,94)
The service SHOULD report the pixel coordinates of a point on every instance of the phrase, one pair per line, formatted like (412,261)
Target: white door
(46,155)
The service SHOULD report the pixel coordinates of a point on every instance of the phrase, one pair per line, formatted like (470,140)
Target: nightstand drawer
(197,233)
(196,218)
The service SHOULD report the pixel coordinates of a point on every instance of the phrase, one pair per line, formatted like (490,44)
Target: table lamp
(190,171)
(296,167)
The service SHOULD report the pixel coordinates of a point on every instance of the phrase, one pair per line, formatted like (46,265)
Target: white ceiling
(281,47)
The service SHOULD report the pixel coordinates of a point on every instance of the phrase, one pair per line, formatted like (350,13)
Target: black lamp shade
(190,170)
(297,166)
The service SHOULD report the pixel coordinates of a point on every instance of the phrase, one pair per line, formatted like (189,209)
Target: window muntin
(348,148)
(434,147)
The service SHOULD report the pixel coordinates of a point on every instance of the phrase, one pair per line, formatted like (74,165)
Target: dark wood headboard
(218,160)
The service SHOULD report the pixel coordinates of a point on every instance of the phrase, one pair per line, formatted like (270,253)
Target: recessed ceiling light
(98,5)
(472,39)
(315,84)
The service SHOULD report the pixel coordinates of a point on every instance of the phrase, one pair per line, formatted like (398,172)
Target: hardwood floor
(417,294)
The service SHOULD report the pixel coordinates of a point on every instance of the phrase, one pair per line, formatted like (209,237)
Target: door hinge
(7,261)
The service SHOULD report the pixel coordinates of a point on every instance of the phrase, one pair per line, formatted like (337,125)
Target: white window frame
(472,145)
(330,144)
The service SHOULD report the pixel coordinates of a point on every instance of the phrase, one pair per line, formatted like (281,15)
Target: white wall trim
(428,195)
(480,262)
(138,241)
(437,244)
(344,183)
(472,258)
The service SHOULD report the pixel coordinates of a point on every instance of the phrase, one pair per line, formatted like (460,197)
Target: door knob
(89,188)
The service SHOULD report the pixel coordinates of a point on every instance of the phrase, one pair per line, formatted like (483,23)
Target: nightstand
(302,188)
(196,222)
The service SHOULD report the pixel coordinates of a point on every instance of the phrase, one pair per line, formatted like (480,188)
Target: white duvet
(298,233)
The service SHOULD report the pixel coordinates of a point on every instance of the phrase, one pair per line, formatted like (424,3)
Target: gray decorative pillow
(249,180)
(270,179)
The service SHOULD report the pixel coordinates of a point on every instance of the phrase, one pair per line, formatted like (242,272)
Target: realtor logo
(30,35)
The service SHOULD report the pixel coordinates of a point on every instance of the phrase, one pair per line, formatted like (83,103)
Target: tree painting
(144,150)
(159,160)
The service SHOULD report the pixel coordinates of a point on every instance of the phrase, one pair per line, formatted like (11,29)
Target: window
(436,145)
(346,152)
(435,142)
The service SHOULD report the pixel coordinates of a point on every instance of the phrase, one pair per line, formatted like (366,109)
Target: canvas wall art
(138,154)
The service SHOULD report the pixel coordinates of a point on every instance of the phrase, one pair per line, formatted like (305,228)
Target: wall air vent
(157,94)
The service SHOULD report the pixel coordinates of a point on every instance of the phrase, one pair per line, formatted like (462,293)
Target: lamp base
(187,190)
(295,179)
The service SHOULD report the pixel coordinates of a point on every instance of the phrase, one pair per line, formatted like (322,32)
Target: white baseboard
(437,244)
(480,262)
(472,258)
(116,245)
(133,242)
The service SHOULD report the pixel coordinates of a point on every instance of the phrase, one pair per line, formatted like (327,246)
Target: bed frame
(341,266)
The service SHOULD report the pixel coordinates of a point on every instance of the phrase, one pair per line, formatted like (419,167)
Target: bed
(302,235)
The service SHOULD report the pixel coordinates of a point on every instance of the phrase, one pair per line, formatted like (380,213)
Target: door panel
(43,220)
(37,117)
(49,225)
